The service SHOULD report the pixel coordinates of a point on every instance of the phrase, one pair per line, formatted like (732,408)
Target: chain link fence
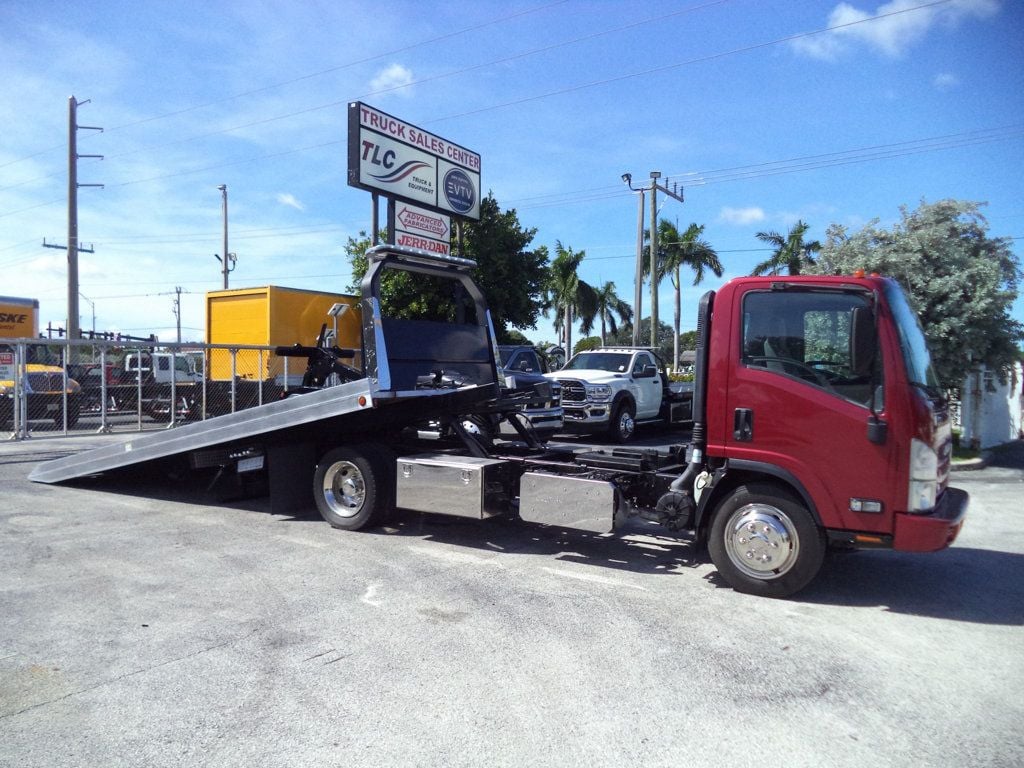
(59,388)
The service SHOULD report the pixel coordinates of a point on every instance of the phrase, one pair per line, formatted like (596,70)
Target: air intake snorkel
(684,483)
(676,506)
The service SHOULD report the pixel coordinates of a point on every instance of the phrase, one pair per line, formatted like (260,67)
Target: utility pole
(677,193)
(655,175)
(177,310)
(74,331)
(229,260)
(638,284)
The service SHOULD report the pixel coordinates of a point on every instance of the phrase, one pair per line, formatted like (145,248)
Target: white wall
(991,418)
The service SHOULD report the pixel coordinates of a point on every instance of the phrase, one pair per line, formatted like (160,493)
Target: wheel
(623,422)
(764,541)
(352,487)
(74,412)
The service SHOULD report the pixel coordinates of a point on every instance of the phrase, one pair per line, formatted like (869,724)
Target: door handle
(743,425)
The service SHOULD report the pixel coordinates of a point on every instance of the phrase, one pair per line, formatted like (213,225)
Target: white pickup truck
(614,389)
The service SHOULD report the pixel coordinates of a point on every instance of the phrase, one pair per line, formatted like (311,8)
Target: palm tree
(791,252)
(570,297)
(676,251)
(608,306)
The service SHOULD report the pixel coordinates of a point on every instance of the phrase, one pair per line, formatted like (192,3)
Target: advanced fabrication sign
(401,161)
(419,228)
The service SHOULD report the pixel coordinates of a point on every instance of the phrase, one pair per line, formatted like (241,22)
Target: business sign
(403,162)
(6,366)
(421,228)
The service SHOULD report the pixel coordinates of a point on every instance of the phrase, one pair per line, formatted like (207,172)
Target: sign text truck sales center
(390,157)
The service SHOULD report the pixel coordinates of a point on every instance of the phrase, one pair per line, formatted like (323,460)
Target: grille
(573,391)
(45,382)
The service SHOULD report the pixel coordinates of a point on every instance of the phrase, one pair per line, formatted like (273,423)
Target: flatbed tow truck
(823,431)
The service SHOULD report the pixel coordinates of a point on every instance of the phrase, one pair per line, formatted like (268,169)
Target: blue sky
(765,111)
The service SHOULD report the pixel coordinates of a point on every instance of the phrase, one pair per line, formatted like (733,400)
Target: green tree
(792,252)
(688,249)
(624,337)
(610,306)
(509,273)
(588,343)
(961,282)
(569,297)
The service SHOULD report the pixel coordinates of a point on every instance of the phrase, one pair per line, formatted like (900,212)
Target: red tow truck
(818,423)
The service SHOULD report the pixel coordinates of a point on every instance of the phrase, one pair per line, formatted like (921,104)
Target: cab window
(641,362)
(821,338)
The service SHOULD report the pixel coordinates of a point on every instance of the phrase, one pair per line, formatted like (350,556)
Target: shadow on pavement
(960,584)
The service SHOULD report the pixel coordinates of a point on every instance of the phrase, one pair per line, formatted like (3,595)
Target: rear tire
(765,542)
(352,487)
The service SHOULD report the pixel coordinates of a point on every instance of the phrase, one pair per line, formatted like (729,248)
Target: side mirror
(648,372)
(878,430)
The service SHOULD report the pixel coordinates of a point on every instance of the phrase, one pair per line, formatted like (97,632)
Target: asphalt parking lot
(145,626)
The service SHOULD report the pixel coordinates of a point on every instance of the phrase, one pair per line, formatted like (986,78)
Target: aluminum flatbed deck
(252,423)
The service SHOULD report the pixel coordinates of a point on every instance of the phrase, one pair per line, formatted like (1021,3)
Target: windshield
(616,362)
(912,341)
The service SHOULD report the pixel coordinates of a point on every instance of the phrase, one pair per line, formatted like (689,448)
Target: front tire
(623,422)
(765,542)
(352,487)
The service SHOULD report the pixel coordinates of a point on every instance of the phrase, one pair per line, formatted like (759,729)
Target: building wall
(990,411)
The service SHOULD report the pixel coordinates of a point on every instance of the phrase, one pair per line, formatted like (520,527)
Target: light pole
(92,304)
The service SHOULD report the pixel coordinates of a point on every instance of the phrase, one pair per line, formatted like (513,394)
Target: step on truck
(818,423)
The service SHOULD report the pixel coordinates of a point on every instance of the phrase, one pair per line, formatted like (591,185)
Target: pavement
(147,626)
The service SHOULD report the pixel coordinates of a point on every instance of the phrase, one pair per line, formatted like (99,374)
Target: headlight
(599,393)
(924,477)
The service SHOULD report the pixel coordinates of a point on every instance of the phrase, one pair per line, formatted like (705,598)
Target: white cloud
(285,198)
(741,216)
(394,77)
(945,81)
(891,29)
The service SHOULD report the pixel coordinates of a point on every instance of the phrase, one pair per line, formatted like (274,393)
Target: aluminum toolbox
(462,486)
(568,502)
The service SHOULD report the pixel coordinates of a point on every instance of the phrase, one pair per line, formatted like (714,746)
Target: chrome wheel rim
(761,541)
(344,489)
(626,423)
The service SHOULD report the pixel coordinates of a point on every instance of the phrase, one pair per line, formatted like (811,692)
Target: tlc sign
(399,160)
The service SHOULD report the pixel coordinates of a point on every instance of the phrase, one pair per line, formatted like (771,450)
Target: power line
(421,81)
(412,46)
(688,62)
(562,91)
(347,65)
(791,165)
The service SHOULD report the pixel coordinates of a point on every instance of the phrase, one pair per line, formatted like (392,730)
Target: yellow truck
(46,388)
(19,318)
(274,316)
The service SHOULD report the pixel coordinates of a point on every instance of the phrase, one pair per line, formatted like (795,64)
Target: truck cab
(825,425)
(522,368)
(613,389)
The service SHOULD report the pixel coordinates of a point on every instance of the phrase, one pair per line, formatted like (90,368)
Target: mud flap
(290,468)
